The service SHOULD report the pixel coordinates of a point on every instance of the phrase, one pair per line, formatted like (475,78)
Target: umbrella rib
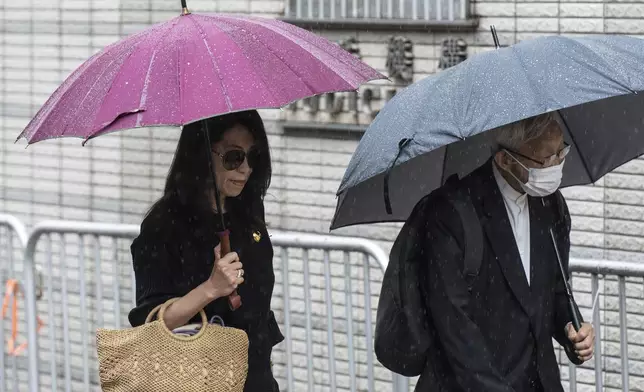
(289,35)
(144,90)
(213,61)
(94,84)
(308,85)
(143,97)
(574,141)
(78,106)
(468,102)
(600,58)
(245,55)
(444,163)
(179,84)
(146,83)
(533,87)
(72,79)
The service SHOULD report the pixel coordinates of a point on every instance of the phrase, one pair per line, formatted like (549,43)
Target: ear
(501,159)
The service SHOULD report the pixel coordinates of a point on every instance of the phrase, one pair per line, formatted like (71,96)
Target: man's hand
(584,340)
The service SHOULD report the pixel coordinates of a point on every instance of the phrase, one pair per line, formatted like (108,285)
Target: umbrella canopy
(194,67)
(436,127)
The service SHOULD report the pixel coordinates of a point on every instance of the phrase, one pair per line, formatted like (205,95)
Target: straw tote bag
(151,358)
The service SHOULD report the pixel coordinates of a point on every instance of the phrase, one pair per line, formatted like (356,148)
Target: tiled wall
(115,178)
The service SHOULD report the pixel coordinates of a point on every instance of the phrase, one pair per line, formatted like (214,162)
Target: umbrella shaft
(234,300)
(211,168)
(561,267)
(576,317)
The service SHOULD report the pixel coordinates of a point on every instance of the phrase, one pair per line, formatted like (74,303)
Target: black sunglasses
(233,159)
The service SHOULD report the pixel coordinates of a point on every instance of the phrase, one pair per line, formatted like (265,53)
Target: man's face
(537,153)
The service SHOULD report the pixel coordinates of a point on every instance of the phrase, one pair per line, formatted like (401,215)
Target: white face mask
(541,181)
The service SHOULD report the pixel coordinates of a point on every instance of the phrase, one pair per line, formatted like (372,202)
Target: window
(390,10)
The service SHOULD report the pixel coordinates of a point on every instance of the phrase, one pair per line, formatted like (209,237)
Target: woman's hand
(227,274)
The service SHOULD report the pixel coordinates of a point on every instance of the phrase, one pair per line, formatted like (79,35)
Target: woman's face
(234,157)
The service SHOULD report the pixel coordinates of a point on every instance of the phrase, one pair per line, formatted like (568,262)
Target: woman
(176,253)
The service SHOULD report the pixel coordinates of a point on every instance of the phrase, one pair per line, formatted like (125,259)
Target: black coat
(174,254)
(502,340)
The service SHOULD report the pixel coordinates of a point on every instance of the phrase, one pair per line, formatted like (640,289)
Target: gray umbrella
(436,127)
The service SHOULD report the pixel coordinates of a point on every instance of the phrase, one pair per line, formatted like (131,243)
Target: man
(501,338)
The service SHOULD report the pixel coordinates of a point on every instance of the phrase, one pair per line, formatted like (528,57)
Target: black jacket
(502,340)
(174,253)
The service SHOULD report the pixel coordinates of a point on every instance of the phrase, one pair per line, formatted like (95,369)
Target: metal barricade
(13,238)
(355,326)
(65,349)
(326,296)
(315,292)
(618,280)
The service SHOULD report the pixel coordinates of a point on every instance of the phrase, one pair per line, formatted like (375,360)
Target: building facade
(117,177)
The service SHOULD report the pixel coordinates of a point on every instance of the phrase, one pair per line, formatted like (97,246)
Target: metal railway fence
(325,297)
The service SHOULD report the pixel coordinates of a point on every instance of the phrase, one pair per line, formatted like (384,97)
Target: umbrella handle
(576,324)
(234,300)
(577,318)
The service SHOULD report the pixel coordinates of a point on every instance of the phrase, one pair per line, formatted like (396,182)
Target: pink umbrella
(191,68)
(194,67)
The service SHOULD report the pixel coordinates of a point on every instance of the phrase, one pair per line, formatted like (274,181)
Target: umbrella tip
(495,37)
(184,8)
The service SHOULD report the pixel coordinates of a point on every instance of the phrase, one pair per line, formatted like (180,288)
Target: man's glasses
(233,159)
(546,162)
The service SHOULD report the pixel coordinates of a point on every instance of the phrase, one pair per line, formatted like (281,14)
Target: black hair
(189,184)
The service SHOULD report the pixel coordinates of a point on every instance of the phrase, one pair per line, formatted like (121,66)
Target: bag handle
(11,294)
(161,310)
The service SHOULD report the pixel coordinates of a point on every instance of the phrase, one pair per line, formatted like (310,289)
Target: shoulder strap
(560,206)
(473,241)
(556,204)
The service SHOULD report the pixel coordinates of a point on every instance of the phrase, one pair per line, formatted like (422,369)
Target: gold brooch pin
(257,236)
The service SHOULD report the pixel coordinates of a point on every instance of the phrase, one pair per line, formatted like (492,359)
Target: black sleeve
(156,271)
(461,339)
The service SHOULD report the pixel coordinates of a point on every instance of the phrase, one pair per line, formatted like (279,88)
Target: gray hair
(516,134)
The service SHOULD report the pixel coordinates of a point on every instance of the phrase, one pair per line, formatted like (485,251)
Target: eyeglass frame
(547,162)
